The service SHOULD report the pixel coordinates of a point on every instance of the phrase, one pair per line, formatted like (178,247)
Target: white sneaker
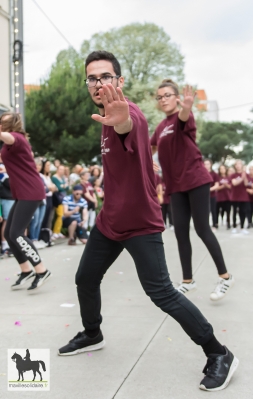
(222,288)
(43,243)
(60,235)
(244,231)
(38,245)
(234,231)
(172,228)
(55,236)
(185,288)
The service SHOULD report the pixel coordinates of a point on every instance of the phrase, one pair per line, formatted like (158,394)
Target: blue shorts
(6,207)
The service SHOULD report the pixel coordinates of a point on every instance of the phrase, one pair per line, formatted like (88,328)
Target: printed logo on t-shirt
(104,150)
(167,130)
(223,181)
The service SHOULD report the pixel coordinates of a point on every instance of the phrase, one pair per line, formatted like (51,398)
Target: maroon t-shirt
(239,193)
(250,185)
(166,198)
(88,188)
(225,193)
(179,156)
(131,206)
(215,178)
(25,181)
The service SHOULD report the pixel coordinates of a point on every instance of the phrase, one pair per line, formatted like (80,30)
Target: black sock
(92,333)
(213,346)
(27,272)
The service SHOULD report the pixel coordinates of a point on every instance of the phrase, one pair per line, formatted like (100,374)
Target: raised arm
(116,110)
(186,104)
(6,137)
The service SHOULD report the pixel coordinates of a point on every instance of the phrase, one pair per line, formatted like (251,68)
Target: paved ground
(147,355)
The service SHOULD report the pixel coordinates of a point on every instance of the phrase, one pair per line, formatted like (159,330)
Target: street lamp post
(18,58)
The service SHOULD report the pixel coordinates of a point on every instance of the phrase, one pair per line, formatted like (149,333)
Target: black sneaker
(219,371)
(39,280)
(82,343)
(23,278)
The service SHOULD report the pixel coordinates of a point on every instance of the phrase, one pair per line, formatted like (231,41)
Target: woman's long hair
(13,123)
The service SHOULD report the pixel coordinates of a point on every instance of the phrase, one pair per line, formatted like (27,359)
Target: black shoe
(219,370)
(23,278)
(39,280)
(82,343)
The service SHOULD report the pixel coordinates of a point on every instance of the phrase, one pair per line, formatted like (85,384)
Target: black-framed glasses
(166,95)
(104,80)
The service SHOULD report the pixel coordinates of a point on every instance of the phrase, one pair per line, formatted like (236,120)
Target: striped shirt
(82,203)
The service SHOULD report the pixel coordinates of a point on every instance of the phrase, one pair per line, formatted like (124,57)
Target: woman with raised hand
(187,181)
(28,191)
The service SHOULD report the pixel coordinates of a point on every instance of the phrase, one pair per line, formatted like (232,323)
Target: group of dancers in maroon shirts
(132,219)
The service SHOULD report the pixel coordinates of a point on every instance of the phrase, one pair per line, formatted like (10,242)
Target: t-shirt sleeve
(188,127)
(130,142)
(153,139)
(65,201)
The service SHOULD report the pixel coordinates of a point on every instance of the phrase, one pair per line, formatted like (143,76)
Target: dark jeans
(194,203)
(148,254)
(18,220)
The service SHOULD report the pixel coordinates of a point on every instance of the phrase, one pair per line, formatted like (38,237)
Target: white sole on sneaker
(215,299)
(23,282)
(40,284)
(232,369)
(90,348)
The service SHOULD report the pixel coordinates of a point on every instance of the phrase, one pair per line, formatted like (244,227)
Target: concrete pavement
(147,355)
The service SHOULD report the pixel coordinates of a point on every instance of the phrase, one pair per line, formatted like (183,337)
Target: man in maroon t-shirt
(131,219)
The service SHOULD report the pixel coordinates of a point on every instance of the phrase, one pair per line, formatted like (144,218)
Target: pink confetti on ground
(66,325)
(18,323)
(224,330)
(89,354)
(7,278)
(29,332)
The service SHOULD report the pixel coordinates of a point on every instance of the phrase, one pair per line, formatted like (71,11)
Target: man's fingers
(97,118)
(110,93)
(120,93)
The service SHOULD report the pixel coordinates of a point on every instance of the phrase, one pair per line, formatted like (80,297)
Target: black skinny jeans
(18,220)
(194,203)
(213,208)
(148,254)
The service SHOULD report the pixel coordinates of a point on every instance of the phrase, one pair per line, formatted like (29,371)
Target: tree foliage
(220,140)
(58,115)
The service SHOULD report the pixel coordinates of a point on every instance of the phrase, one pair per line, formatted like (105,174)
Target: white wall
(4,54)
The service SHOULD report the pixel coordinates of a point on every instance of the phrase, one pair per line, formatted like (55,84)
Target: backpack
(45,235)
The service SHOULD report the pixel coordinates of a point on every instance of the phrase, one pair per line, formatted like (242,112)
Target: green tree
(147,55)
(218,140)
(58,116)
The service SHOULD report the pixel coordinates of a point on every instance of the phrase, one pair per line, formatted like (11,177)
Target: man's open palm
(115,105)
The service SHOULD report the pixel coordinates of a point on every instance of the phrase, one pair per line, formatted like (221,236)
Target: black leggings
(49,209)
(148,254)
(194,203)
(243,208)
(166,213)
(18,220)
(213,210)
(224,206)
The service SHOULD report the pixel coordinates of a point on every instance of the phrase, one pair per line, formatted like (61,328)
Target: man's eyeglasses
(78,193)
(92,82)
(166,95)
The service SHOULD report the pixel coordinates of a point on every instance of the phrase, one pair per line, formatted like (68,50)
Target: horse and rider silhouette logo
(26,364)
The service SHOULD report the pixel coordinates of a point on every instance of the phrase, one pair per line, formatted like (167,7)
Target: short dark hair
(104,55)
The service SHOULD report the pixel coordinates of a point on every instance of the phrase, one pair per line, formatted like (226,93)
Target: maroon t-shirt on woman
(25,181)
(215,178)
(131,206)
(179,155)
(225,193)
(250,185)
(238,193)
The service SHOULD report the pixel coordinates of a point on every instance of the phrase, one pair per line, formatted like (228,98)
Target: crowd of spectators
(73,199)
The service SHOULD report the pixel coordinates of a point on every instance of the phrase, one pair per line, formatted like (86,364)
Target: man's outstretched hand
(115,106)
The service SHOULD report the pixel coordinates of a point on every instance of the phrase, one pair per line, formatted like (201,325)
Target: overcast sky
(216,38)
